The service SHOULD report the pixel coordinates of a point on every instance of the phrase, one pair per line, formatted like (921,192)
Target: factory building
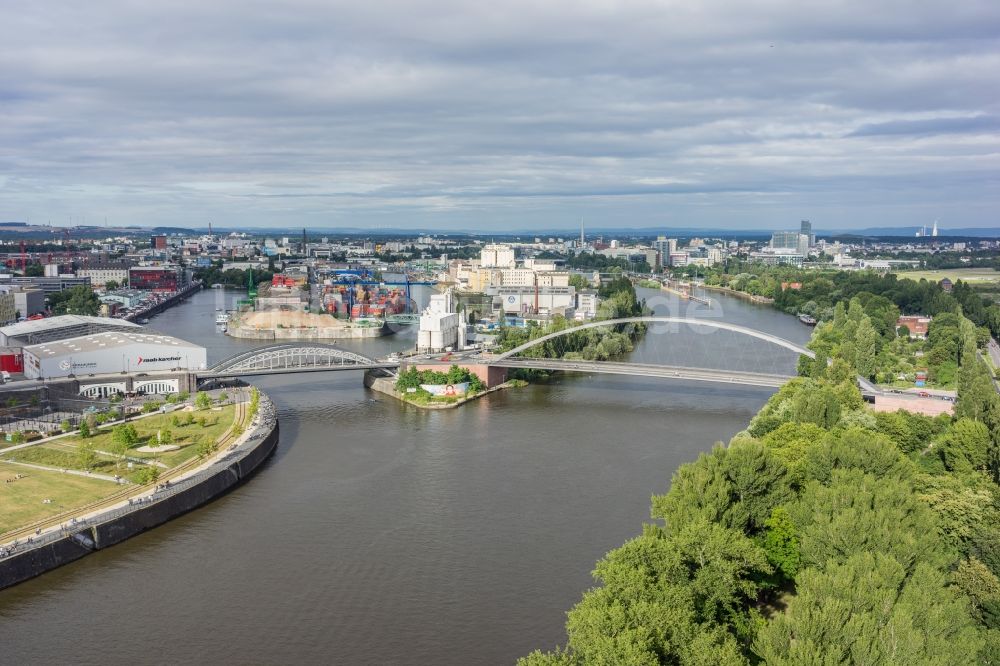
(543,300)
(497,256)
(439,325)
(112,352)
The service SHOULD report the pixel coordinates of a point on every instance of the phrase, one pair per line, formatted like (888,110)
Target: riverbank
(753,298)
(152,504)
(165,304)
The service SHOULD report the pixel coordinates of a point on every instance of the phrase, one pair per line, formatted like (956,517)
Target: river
(380,533)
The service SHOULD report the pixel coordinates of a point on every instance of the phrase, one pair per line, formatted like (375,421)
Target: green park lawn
(970,275)
(21,501)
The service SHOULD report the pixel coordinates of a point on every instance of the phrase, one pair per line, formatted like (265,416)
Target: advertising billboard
(444,390)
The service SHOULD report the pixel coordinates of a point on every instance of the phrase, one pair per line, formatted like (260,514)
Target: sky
(498,116)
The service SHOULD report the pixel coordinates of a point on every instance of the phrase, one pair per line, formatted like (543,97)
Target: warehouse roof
(106,340)
(59,328)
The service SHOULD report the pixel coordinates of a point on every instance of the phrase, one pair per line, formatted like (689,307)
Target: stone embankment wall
(116,525)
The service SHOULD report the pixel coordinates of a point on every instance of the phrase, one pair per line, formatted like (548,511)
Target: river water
(380,533)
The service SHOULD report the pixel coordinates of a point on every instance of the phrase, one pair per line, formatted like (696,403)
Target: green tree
(86,457)
(737,487)
(781,543)
(79,300)
(868,611)
(965,447)
(84,429)
(856,512)
(203,400)
(124,437)
(866,348)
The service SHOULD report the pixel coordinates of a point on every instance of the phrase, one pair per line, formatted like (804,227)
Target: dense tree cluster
(823,534)
(79,300)
(412,378)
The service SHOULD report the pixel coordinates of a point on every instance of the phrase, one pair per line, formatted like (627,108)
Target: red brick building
(917,325)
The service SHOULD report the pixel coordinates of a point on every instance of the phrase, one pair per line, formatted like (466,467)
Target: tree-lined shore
(825,532)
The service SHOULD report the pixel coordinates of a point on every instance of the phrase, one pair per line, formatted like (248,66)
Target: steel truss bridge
(317,357)
(292,358)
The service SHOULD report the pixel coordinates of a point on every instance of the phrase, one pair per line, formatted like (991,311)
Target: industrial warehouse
(112,352)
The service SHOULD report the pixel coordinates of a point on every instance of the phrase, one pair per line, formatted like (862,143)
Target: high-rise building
(664,247)
(806,228)
(785,240)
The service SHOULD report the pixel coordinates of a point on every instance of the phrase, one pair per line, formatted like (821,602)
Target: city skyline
(455,117)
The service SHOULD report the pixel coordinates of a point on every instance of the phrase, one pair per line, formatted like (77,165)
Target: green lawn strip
(22,499)
(63,454)
(971,275)
(59,458)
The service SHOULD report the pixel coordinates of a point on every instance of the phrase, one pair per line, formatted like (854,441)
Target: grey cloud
(459,113)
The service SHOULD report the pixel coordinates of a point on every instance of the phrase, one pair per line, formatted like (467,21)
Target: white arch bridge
(316,357)
(511,358)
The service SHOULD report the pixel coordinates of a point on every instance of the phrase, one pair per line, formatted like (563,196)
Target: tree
(203,400)
(80,300)
(965,447)
(868,611)
(164,437)
(86,457)
(111,285)
(781,543)
(84,429)
(866,348)
(857,512)
(736,486)
(123,437)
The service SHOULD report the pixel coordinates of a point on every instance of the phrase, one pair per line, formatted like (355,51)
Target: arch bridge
(511,359)
(292,357)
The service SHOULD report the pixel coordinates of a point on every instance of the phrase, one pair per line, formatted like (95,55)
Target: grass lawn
(185,436)
(21,501)
(970,275)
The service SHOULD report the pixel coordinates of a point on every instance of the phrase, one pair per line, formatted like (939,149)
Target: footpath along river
(382,533)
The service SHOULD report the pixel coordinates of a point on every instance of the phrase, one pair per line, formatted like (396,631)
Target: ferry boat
(807,320)
(221,318)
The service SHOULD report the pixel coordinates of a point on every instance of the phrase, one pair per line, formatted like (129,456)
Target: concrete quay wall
(226,473)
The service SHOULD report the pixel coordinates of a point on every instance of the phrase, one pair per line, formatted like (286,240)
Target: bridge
(654,319)
(317,357)
(648,370)
(292,358)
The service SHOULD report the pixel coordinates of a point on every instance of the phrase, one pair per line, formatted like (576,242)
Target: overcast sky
(501,115)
